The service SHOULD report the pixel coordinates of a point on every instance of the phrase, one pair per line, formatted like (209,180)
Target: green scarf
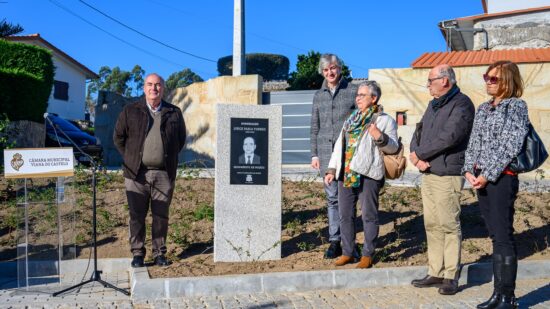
(354,127)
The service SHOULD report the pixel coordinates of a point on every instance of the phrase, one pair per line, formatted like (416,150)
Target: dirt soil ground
(402,240)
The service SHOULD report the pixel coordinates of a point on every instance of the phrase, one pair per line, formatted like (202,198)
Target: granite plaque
(249,151)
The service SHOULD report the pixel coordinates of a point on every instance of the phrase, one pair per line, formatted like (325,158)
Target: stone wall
(404,90)
(197,101)
(27,134)
(530,30)
(109,105)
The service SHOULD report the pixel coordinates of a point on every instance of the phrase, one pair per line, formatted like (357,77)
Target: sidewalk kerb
(143,287)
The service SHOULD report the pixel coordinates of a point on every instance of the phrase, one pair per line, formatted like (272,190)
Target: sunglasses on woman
(490,79)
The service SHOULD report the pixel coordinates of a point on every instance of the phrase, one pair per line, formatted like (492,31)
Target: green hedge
(269,66)
(26,79)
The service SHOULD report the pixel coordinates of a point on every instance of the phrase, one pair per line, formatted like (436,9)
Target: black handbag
(532,154)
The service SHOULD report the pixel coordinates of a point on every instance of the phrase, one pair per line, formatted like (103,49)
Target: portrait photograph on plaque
(249,151)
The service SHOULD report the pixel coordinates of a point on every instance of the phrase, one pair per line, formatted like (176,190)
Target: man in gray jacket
(332,104)
(437,150)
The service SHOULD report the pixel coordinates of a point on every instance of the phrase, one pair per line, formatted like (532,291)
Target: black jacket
(441,138)
(132,127)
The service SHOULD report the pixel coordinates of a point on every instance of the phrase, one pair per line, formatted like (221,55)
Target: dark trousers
(496,202)
(367,194)
(151,188)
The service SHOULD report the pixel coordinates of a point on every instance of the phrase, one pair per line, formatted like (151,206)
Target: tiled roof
(482,57)
(36,37)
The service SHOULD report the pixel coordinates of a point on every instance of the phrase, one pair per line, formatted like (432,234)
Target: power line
(213,20)
(119,38)
(249,32)
(145,35)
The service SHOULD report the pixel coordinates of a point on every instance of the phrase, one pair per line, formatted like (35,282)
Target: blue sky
(365,34)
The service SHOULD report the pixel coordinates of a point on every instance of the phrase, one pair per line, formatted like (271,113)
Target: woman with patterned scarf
(357,164)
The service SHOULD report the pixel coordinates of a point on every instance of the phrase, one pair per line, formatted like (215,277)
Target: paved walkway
(531,293)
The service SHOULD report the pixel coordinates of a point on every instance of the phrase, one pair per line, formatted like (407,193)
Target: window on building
(61,90)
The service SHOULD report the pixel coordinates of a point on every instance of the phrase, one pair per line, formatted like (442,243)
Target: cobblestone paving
(531,293)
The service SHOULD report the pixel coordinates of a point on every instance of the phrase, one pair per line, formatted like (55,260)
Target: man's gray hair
(155,74)
(447,71)
(374,89)
(326,60)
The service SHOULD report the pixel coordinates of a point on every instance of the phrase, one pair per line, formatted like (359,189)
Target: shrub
(269,66)
(26,79)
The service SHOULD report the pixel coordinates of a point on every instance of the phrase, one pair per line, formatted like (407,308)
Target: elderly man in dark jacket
(332,104)
(437,150)
(149,135)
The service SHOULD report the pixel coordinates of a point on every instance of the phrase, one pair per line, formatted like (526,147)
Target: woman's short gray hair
(374,89)
(447,71)
(326,60)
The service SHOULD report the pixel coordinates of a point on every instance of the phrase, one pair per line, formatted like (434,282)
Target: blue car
(55,138)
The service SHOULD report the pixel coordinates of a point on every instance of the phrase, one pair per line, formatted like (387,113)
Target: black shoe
(491,303)
(427,282)
(507,302)
(137,261)
(161,261)
(334,250)
(448,287)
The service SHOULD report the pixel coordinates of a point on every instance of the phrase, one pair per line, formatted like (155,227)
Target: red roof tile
(481,57)
(37,37)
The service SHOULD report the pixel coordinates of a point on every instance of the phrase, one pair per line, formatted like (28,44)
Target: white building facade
(498,6)
(68,97)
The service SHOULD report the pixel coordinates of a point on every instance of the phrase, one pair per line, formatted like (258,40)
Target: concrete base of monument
(143,287)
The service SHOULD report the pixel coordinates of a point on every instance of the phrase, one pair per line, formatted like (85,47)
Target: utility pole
(239,63)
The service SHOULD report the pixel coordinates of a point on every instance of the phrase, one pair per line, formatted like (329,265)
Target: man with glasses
(332,104)
(437,150)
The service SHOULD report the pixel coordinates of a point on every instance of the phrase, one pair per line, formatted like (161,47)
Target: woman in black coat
(500,127)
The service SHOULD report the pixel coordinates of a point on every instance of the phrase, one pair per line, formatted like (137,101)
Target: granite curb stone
(143,287)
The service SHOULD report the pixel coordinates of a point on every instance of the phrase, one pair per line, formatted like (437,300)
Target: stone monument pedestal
(247,210)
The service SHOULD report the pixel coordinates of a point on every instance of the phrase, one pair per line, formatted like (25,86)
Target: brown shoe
(448,287)
(365,262)
(427,282)
(343,260)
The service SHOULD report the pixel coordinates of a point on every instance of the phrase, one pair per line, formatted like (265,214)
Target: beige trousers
(441,201)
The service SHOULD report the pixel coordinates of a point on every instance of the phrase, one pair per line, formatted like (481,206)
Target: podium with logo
(45,210)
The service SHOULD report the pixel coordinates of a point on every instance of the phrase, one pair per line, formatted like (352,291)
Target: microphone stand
(96,275)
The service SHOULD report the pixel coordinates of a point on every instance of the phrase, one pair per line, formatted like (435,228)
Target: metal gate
(296,123)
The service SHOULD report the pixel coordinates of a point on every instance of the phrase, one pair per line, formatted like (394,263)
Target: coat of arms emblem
(17,161)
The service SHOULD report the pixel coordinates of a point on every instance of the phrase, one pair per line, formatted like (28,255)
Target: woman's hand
(329,178)
(471,178)
(480,182)
(374,131)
